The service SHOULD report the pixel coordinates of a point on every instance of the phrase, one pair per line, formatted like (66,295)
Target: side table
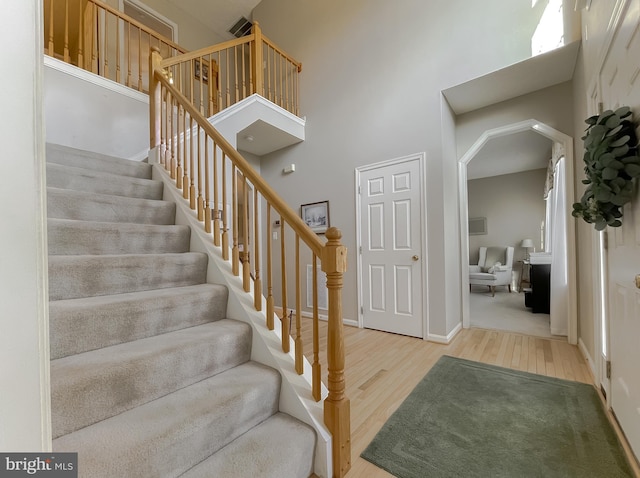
(525,281)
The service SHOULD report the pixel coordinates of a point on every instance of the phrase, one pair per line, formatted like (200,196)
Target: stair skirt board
(148,375)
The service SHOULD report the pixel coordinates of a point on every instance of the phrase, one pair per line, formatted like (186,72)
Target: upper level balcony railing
(98,38)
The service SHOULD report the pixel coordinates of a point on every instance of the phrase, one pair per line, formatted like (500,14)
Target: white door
(391,220)
(620,85)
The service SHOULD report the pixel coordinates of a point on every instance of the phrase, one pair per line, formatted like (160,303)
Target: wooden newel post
(155,105)
(337,415)
(258,69)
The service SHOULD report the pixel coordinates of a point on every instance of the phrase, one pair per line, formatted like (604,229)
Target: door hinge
(600,107)
(361,310)
(360,249)
(359,190)
(608,368)
(605,240)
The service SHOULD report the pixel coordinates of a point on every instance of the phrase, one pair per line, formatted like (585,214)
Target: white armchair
(495,265)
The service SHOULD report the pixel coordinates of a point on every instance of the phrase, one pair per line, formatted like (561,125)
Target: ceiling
(218,15)
(510,154)
(524,77)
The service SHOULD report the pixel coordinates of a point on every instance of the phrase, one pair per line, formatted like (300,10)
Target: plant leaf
(602,195)
(632,169)
(592,120)
(606,159)
(619,142)
(621,151)
(615,130)
(631,159)
(609,173)
(612,122)
(623,111)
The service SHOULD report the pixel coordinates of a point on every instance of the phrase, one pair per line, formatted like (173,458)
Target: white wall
(585,234)
(514,207)
(370,88)
(553,106)
(85,111)
(24,358)
(192,32)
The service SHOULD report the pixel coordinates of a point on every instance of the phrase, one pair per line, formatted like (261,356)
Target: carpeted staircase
(148,376)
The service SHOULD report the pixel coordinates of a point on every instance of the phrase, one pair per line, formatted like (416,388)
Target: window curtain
(556,244)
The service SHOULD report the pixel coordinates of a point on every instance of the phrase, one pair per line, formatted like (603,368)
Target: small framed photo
(316,215)
(199,71)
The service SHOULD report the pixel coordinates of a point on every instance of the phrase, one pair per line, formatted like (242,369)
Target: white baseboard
(587,357)
(353,323)
(445,339)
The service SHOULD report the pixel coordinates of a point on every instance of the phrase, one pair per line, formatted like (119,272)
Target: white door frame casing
(421,158)
(553,135)
(151,12)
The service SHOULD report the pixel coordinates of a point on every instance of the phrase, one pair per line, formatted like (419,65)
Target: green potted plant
(611,164)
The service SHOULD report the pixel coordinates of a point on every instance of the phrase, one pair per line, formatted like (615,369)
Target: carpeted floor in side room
(505,311)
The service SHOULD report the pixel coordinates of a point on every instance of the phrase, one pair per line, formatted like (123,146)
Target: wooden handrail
(192,55)
(281,52)
(178,146)
(307,235)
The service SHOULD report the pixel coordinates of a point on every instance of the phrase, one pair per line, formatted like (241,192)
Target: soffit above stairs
(258,126)
(515,80)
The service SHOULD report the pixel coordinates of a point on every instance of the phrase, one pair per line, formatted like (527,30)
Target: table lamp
(527,244)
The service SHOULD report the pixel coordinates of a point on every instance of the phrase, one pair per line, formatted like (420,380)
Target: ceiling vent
(241,28)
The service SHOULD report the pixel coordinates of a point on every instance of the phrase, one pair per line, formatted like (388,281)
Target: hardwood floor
(382,369)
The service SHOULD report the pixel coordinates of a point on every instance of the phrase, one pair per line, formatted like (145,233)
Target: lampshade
(526,243)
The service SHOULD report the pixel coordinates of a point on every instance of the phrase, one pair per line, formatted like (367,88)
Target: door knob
(415,258)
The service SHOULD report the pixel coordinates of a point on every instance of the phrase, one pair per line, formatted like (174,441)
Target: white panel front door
(620,85)
(391,224)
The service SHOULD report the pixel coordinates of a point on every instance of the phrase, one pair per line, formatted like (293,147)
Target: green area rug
(468,419)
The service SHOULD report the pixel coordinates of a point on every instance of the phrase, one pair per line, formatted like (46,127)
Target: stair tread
(81,195)
(75,276)
(90,180)
(127,375)
(180,429)
(255,454)
(69,156)
(88,323)
(74,237)
(81,205)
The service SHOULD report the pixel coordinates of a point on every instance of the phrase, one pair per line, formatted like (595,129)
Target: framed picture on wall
(316,216)
(198,71)
(477,226)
